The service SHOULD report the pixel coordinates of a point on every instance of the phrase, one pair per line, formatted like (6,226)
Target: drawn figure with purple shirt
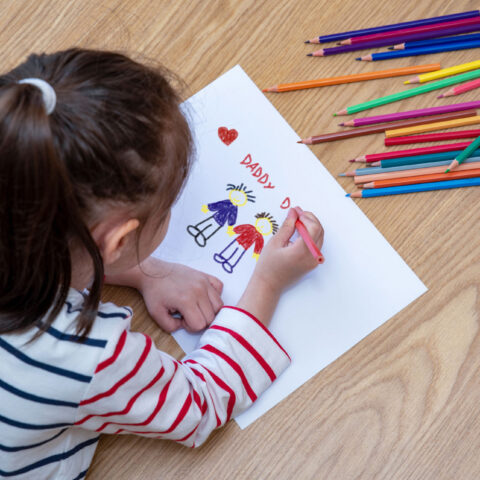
(224,211)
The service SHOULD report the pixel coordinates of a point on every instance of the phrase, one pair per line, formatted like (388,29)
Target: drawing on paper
(224,211)
(247,235)
(227,136)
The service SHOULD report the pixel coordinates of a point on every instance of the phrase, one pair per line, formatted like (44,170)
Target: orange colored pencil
(358,77)
(433,177)
(413,172)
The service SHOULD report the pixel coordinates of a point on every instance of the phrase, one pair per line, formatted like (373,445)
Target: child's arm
(169,287)
(141,390)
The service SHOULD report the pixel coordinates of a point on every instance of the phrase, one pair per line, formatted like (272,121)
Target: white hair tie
(48,93)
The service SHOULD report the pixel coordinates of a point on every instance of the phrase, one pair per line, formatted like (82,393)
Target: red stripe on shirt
(161,400)
(232,400)
(181,415)
(267,331)
(250,348)
(204,406)
(235,366)
(126,378)
(116,353)
(130,403)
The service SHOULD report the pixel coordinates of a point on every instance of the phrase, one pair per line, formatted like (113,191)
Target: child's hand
(168,288)
(280,264)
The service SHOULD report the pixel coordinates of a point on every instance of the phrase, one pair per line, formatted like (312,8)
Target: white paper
(363,281)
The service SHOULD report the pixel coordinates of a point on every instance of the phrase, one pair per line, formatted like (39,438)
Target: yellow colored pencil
(430,127)
(444,72)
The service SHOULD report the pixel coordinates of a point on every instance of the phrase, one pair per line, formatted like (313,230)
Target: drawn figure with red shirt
(248,235)
(224,211)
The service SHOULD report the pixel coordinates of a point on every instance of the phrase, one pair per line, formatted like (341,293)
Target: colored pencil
(390,117)
(431,127)
(466,87)
(375,170)
(432,177)
(413,52)
(437,28)
(314,250)
(323,52)
(445,72)
(436,41)
(359,77)
(375,157)
(418,187)
(412,172)
(380,128)
(432,137)
(395,26)
(468,152)
(444,82)
(431,157)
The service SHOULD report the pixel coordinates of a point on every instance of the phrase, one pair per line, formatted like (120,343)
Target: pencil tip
(352,161)
(341,124)
(359,59)
(347,195)
(306,41)
(299,141)
(390,48)
(341,175)
(309,54)
(447,170)
(440,96)
(406,82)
(334,114)
(264,89)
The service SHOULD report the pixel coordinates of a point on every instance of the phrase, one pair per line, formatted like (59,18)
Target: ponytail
(39,218)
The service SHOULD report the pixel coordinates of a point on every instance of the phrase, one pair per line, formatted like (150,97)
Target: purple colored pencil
(396,26)
(423,112)
(394,40)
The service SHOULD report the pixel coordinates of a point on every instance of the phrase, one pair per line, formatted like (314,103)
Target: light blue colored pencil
(416,187)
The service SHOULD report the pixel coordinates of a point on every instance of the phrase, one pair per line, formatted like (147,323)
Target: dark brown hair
(116,135)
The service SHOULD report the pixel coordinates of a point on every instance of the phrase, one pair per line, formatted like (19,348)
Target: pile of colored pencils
(416,169)
(419,37)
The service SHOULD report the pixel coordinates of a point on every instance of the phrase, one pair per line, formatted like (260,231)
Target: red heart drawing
(227,136)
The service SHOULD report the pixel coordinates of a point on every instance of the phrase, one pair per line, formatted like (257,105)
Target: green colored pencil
(468,152)
(428,87)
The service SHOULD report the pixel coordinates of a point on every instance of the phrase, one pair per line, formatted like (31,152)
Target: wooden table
(403,403)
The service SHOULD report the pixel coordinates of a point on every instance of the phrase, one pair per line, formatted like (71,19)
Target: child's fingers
(287,229)
(313,226)
(215,283)
(215,299)
(166,321)
(194,318)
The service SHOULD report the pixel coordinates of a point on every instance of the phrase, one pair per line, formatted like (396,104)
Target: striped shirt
(58,395)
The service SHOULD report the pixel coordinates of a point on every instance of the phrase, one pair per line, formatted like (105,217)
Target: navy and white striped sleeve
(141,390)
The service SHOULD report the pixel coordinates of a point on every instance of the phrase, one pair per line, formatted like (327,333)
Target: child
(94,151)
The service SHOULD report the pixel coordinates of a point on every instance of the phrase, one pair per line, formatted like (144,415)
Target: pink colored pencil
(375,157)
(464,87)
(435,27)
(432,137)
(303,232)
(390,117)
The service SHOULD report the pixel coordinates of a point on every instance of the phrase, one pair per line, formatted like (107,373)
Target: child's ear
(111,241)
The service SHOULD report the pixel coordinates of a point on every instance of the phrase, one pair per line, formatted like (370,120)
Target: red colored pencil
(432,137)
(303,232)
(464,87)
(375,157)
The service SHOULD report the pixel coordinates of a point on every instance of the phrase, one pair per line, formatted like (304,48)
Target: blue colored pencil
(374,170)
(395,26)
(436,41)
(412,52)
(416,187)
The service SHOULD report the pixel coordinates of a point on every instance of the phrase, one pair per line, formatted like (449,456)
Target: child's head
(104,167)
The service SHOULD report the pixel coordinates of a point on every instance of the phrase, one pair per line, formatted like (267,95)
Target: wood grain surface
(402,404)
